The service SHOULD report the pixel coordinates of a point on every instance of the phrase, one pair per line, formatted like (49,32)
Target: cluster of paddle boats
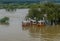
(31,22)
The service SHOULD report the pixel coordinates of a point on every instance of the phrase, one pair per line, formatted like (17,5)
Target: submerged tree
(38,11)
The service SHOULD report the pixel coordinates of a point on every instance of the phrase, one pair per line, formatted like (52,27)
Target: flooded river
(15,32)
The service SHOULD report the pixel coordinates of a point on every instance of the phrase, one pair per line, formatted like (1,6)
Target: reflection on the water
(47,33)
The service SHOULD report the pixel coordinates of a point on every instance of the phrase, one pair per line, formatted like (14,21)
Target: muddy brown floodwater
(15,32)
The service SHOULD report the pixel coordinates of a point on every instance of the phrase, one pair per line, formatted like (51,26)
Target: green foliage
(34,12)
(52,11)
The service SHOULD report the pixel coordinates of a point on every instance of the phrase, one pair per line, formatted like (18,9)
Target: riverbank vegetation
(49,11)
(12,6)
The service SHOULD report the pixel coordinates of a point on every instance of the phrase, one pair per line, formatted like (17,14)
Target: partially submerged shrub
(4,20)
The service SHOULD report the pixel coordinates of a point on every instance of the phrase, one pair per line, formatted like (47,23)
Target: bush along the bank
(4,20)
